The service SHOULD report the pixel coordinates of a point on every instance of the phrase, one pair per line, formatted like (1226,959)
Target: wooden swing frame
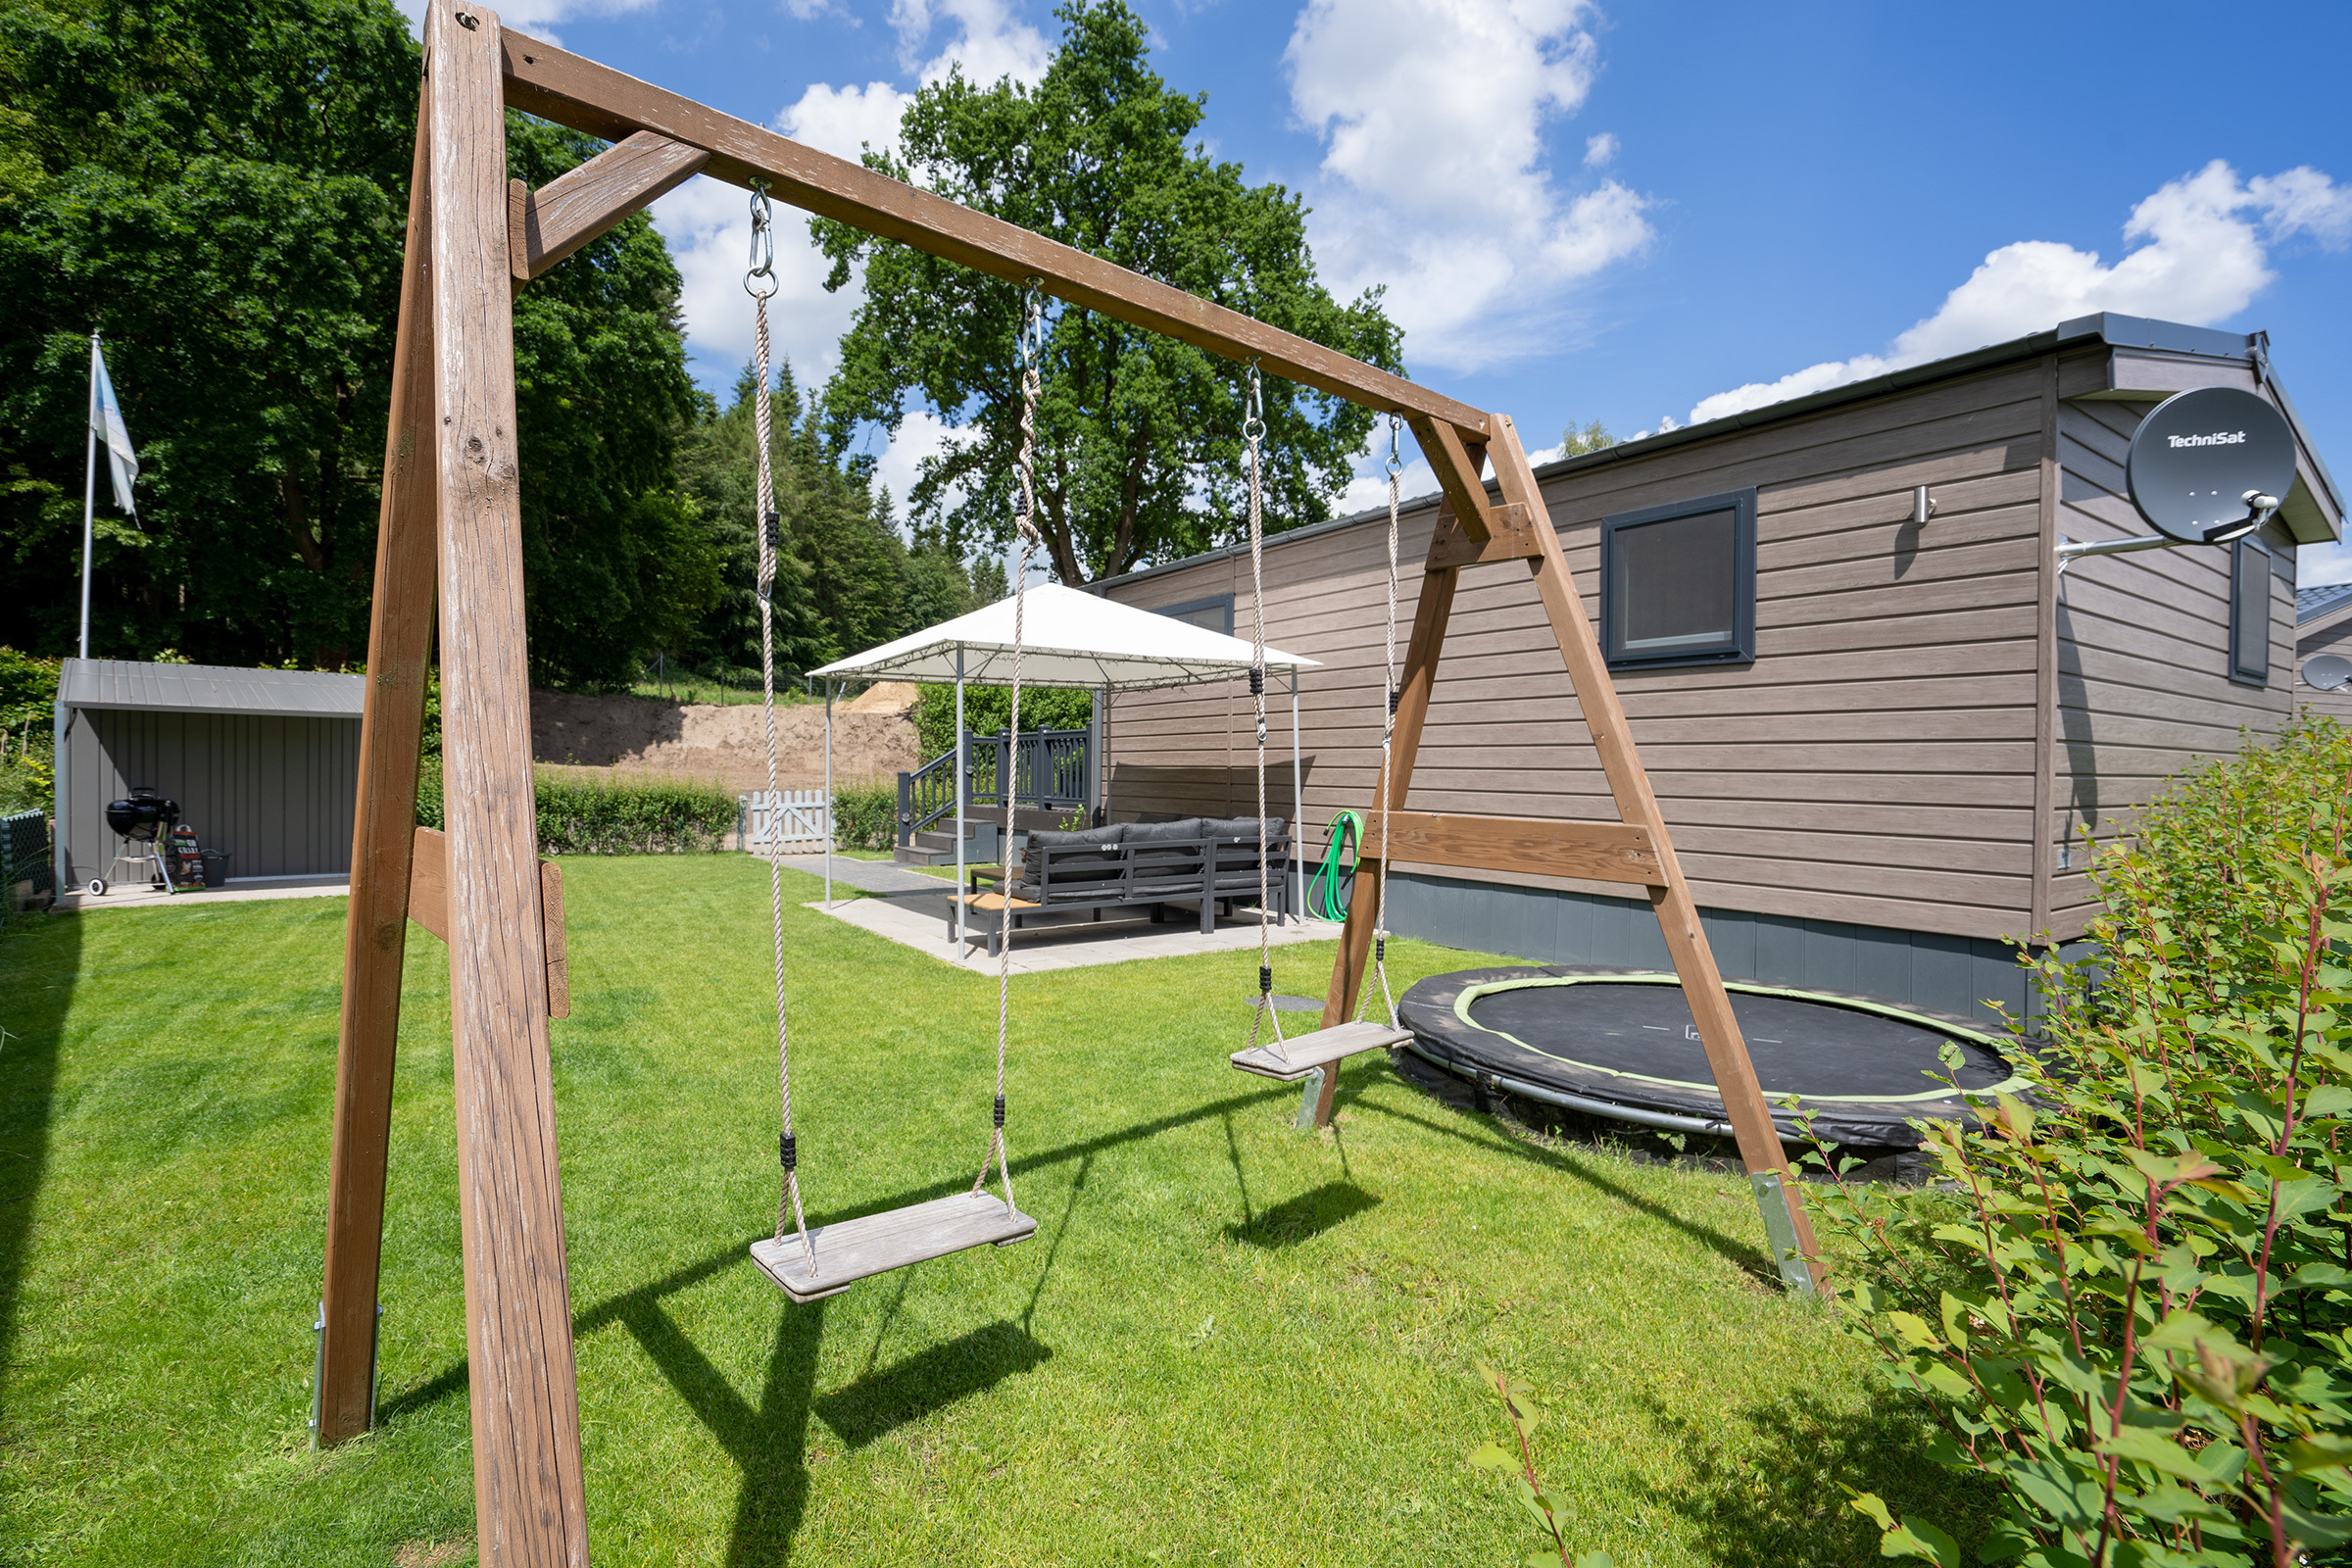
(449,541)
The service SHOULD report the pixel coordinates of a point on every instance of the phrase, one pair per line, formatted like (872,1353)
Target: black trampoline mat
(1814,1048)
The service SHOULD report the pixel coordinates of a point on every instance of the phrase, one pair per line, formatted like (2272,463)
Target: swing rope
(1029,348)
(1388,744)
(760,283)
(1253,432)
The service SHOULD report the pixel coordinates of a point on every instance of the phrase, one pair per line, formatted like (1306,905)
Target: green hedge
(865,816)
(632,816)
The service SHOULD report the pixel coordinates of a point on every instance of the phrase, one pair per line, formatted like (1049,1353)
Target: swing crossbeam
(851,1250)
(1294,1059)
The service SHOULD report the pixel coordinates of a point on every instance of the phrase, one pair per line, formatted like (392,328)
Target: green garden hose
(1346,830)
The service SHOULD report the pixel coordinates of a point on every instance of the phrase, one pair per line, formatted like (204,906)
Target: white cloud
(989,44)
(1438,169)
(1600,151)
(920,435)
(2203,259)
(708,225)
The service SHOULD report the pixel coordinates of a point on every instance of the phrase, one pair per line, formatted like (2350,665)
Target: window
(1211,615)
(2250,611)
(1679,583)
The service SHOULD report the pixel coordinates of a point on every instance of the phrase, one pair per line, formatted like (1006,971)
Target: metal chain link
(789,1215)
(1029,348)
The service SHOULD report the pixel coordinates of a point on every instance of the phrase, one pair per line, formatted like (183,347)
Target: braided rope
(1029,348)
(789,1215)
(1253,431)
(1388,741)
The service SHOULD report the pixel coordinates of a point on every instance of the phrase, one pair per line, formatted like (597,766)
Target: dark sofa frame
(1215,870)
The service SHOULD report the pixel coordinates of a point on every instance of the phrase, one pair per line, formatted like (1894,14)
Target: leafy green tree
(617,561)
(1594,438)
(1139,435)
(222,191)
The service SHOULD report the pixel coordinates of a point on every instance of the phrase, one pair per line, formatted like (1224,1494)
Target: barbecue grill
(144,819)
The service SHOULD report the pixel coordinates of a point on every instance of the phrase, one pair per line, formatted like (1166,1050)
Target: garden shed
(1880,709)
(264,762)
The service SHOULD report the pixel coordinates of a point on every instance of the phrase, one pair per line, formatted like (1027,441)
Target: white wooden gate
(783,821)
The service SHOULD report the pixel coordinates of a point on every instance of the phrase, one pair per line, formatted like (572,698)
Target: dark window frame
(1222,602)
(2243,553)
(1740,648)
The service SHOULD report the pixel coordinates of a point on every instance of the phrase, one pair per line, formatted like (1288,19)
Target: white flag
(106,419)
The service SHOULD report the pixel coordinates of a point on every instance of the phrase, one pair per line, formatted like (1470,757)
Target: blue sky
(1643,214)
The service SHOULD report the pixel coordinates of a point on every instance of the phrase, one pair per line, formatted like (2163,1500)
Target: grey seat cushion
(1240,827)
(1074,875)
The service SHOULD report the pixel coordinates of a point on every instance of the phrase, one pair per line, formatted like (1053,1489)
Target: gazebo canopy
(1068,639)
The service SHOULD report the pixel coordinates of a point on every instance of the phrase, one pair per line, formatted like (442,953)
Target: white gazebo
(1068,639)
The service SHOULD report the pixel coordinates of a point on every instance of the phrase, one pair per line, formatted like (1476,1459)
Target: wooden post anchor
(1780,1229)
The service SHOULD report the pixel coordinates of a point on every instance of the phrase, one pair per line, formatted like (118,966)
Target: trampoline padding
(1626,1038)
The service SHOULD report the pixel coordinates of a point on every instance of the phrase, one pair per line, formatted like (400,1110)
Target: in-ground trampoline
(1620,1043)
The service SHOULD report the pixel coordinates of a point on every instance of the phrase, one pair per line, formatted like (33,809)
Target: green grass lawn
(1229,1342)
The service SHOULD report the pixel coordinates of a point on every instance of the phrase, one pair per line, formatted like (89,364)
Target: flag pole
(89,494)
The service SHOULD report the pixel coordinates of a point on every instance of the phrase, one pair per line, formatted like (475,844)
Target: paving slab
(123,895)
(921,920)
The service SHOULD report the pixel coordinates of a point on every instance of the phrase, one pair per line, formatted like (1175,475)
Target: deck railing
(1051,769)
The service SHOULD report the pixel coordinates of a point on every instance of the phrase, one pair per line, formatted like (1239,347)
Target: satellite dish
(2326,671)
(2210,464)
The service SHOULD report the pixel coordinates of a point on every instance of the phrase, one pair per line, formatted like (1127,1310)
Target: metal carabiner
(1396,457)
(761,268)
(1253,420)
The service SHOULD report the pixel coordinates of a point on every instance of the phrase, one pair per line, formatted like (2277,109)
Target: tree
(223,191)
(1139,435)
(718,465)
(220,190)
(1594,438)
(616,560)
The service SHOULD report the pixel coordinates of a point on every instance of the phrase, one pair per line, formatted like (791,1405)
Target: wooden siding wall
(1874,765)
(2335,639)
(2144,686)
(278,794)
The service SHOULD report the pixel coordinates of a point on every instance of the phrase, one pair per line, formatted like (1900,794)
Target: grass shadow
(1789,1506)
(880,1402)
(1746,1255)
(1304,1218)
(40,961)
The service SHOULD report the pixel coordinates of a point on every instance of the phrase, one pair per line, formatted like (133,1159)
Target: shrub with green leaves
(865,816)
(626,817)
(2127,1301)
(1549,1508)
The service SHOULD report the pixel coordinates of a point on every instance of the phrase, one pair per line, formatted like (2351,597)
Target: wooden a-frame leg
(383,834)
(1430,613)
(1678,912)
(529,1508)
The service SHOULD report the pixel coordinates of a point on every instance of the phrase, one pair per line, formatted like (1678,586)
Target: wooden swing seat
(1302,1054)
(852,1250)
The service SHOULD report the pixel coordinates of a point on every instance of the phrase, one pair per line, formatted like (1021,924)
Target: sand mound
(885,697)
(635,735)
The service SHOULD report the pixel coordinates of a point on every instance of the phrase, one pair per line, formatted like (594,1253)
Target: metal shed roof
(210,689)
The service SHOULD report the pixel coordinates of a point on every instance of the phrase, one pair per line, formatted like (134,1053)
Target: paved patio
(918,919)
(123,896)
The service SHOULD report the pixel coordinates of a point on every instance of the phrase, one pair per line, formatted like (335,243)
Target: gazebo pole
(1297,812)
(955,766)
(828,816)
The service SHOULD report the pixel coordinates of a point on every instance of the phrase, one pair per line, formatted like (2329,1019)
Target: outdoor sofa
(1212,860)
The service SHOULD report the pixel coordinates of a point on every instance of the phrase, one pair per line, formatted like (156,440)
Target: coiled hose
(1347,836)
